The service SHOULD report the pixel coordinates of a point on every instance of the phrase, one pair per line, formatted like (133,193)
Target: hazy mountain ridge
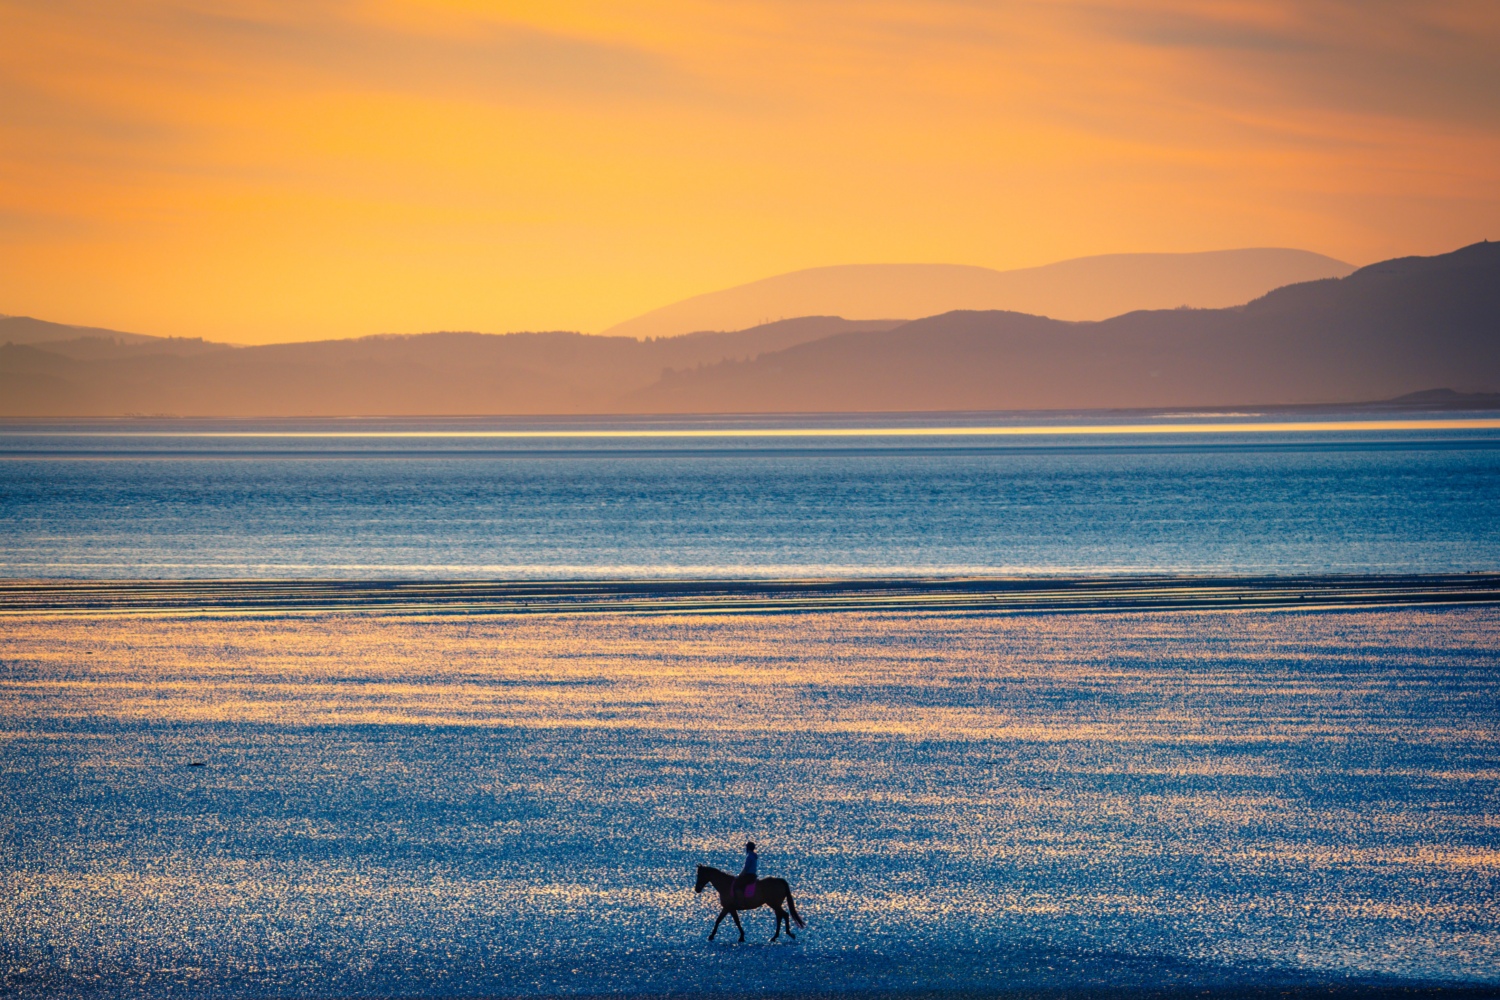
(1085,288)
(1393,328)
(26,330)
(469,373)
(1396,327)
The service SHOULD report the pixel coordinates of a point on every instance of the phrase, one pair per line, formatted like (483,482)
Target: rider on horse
(747,892)
(744,882)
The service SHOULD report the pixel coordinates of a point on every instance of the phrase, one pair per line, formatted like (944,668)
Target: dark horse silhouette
(767,892)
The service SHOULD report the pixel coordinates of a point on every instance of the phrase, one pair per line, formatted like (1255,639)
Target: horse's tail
(792,906)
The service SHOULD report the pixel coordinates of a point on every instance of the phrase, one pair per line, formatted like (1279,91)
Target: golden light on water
(778,671)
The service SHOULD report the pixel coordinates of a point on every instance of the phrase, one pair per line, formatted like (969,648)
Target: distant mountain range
(54,370)
(1088,288)
(1392,328)
(1399,327)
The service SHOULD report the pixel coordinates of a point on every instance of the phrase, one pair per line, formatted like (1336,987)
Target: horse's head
(702,878)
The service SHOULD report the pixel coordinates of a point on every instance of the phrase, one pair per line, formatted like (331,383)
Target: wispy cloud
(1391,57)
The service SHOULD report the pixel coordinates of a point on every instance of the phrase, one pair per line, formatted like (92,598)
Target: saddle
(745,889)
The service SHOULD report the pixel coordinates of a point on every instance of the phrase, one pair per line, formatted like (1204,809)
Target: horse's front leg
(722,914)
(736,915)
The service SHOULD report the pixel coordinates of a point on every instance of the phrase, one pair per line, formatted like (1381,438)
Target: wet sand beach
(964,802)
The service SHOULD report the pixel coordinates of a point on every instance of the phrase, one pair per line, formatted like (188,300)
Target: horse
(766,892)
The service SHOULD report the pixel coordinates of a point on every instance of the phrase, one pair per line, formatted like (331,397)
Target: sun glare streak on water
(515,805)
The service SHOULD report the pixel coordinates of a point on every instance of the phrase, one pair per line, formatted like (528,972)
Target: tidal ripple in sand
(514,805)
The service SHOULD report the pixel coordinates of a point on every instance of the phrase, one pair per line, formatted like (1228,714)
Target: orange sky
(258,171)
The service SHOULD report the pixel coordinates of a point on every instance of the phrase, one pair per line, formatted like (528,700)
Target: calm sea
(749,498)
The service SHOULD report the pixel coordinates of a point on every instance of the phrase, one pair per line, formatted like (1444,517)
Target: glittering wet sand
(505,804)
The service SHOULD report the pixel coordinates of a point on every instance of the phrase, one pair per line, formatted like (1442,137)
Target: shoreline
(989,595)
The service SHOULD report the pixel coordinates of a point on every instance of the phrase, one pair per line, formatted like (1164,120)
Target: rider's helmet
(750,845)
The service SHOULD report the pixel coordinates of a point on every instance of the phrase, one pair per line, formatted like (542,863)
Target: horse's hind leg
(781,916)
(737,923)
(722,915)
(776,912)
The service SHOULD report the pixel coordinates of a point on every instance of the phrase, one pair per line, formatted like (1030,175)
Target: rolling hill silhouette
(1392,328)
(1403,326)
(107,373)
(1082,289)
(25,330)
